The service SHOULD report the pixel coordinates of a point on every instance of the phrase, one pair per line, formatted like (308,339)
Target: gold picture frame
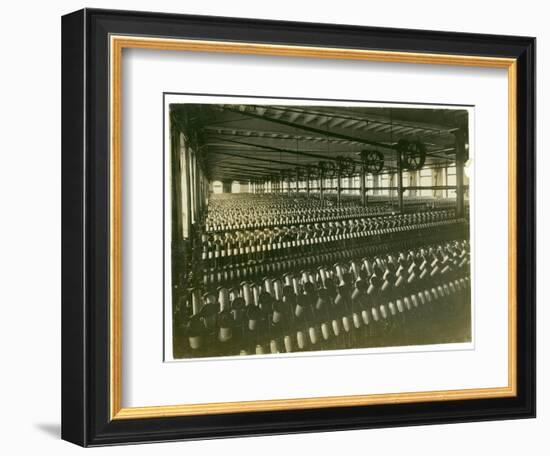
(93,44)
(117,45)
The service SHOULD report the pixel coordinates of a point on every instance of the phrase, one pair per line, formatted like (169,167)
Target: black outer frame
(85,227)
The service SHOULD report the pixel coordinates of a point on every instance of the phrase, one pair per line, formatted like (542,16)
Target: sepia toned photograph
(311,226)
(293,227)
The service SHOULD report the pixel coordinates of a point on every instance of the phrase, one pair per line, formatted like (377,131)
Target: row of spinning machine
(276,271)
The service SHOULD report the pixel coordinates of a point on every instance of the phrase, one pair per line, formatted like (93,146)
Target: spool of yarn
(195,342)
(399,304)
(440,292)
(301,339)
(287,340)
(313,337)
(336,327)
(365,317)
(346,323)
(325,331)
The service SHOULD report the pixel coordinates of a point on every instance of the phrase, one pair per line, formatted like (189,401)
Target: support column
(176,188)
(199,194)
(307,184)
(289,183)
(188,190)
(399,183)
(460,147)
(437,180)
(297,181)
(362,177)
(413,182)
(196,176)
(321,183)
(339,188)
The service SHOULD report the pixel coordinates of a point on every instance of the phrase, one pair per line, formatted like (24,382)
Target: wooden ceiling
(247,142)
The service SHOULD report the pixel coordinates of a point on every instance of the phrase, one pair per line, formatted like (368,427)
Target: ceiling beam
(314,129)
(369,118)
(230,154)
(288,151)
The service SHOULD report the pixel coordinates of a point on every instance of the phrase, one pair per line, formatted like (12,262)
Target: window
(451,180)
(385,181)
(356,183)
(235,187)
(370,184)
(426,180)
(406,180)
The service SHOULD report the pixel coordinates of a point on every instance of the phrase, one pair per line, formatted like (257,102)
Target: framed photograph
(279,227)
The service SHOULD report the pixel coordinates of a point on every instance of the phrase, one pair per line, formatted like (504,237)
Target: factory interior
(303,228)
